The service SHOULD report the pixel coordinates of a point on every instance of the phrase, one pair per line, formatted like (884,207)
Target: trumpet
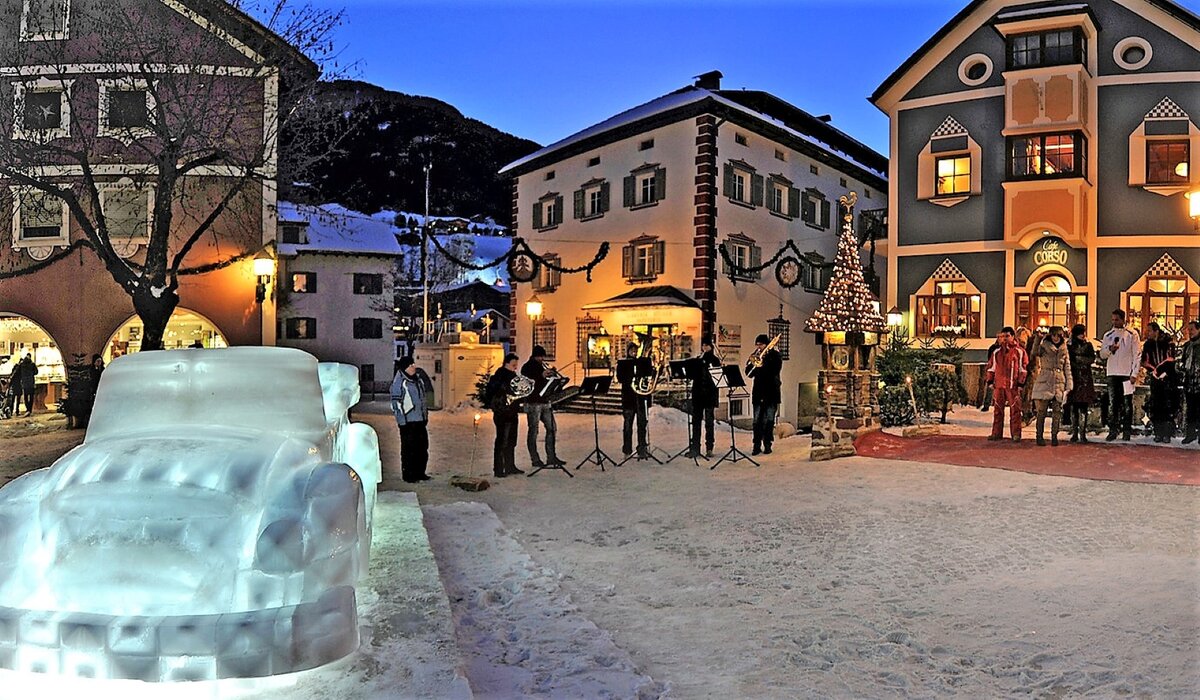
(755,360)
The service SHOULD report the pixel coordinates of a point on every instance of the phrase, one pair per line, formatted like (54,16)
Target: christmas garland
(737,271)
(43,264)
(83,243)
(520,248)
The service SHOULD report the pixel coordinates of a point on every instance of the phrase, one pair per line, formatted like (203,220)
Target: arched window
(1052,303)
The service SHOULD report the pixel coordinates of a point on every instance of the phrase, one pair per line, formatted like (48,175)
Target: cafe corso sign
(1051,252)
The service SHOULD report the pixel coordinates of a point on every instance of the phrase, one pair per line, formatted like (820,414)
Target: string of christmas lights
(520,248)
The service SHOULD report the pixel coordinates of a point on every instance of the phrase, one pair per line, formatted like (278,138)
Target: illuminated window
(953,175)
(951,310)
(1167,162)
(1053,303)
(1047,155)
(304,282)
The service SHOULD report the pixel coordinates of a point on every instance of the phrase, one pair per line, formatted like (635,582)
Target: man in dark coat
(412,418)
(24,379)
(1190,369)
(634,407)
(539,410)
(505,416)
(704,398)
(766,394)
(1158,359)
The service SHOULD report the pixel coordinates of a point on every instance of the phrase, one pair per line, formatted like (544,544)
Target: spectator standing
(1119,348)
(412,418)
(1158,359)
(1190,370)
(1051,383)
(1083,388)
(24,377)
(1007,372)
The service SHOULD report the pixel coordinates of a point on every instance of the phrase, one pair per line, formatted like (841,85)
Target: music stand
(687,370)
(591,387)
(733,382)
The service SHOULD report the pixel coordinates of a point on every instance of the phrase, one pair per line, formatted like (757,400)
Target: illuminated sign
(1052,252)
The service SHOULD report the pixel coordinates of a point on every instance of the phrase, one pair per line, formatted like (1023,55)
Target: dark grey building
(1042,158)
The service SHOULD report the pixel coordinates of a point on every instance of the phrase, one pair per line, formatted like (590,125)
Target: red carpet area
(1102,461)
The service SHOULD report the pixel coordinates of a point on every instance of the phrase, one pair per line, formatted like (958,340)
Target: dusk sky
(545,69)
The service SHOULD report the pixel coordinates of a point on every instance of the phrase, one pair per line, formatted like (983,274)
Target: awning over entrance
(646,297)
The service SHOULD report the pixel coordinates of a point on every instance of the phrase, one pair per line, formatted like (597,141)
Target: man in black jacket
(766,394)
(539,410)
(704,398)
(504,415)
(634,406)
(24,379)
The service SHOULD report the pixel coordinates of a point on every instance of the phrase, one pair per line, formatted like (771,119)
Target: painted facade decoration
(667,184)
(1064,196)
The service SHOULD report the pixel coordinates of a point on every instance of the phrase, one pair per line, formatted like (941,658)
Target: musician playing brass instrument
(764,367)
(704,398)
(634,406)
(499,396)
(538,408)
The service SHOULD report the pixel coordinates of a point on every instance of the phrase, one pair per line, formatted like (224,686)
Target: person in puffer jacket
(1006,371)
(1052,383)
(412,417)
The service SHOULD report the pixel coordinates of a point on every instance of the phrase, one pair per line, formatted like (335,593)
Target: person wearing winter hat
(766,395)
(412,417)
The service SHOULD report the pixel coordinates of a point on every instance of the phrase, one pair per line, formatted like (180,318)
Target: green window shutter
(660,257)
(756,190)
(825,213)
(724,260)
(630,184)
(537,215)
(603,197)
(770,188)
(756,260)
(660,184)
(728,180)
(558,210)
(793,201)
(627,262)
(312,282)
(578,204)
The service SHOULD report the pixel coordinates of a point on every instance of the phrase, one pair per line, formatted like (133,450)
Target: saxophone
(756,358)
(519,387)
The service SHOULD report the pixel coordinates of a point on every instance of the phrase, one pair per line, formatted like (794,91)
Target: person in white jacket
(1120,348)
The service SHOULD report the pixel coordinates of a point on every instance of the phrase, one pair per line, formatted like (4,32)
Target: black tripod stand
(593,387)
(733,381)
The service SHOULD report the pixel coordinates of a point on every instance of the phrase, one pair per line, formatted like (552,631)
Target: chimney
(710,80)
(825,118)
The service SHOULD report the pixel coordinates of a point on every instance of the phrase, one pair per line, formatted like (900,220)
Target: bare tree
(164,152)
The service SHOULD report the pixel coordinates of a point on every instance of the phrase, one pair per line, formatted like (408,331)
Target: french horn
(520,387)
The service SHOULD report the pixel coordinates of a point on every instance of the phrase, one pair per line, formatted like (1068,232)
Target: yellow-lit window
(954,175)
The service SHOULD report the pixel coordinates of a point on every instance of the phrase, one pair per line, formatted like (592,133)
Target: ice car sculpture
(213,524)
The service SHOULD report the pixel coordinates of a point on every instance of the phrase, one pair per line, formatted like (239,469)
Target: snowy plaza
(850,578)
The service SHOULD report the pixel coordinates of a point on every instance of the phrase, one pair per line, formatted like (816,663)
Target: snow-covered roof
(676,100)
(332,228)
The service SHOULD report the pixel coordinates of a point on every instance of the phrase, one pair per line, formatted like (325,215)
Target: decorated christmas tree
(848,304)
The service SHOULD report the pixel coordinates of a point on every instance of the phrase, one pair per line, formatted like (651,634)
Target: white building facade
(666,185)
(336,280)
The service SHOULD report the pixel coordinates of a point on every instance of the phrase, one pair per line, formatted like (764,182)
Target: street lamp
(894,317)
(1194,207)
(533,308)
(264,270)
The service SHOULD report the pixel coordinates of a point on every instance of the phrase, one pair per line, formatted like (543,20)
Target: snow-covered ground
(852,578)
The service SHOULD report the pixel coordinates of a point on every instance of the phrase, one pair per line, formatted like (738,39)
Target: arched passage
(21,336)
(184,330)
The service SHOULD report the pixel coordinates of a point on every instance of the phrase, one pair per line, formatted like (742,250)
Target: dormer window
(293,233)
(1057,47)
(45,20)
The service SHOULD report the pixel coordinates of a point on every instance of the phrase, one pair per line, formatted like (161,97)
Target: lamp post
(894,317)
(264,270)
(533,307)
(1194,207)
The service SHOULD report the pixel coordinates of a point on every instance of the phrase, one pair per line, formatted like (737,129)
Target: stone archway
(185,328)
(21,335)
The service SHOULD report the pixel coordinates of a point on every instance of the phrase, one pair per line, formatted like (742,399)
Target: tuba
(645,386)
(520,387)
(756,358)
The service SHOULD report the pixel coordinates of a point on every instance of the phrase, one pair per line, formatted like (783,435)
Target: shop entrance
(21,336)
(1052,303)
(186,329)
